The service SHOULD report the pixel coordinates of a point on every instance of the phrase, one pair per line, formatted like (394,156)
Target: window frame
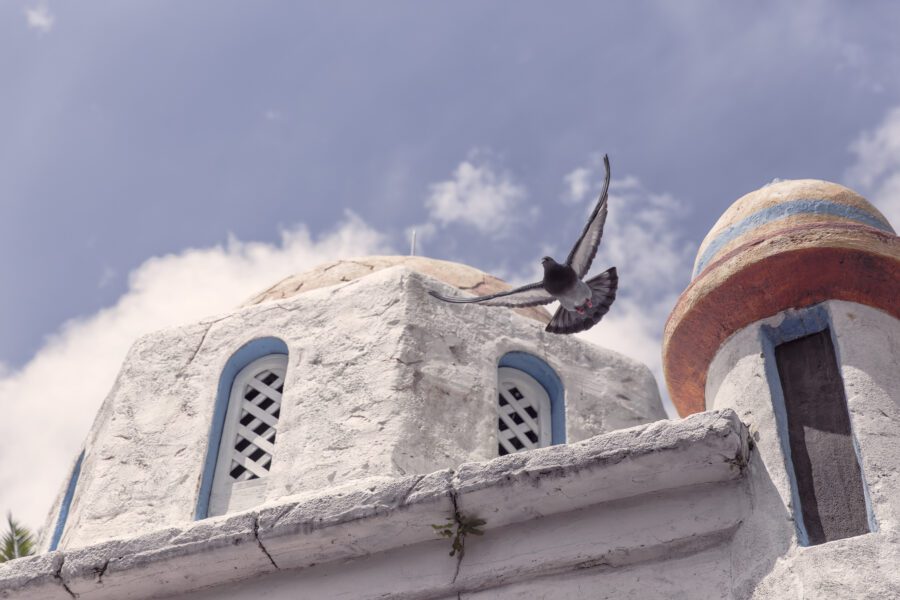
(223,485)
(243,356)
(549,380)
(509,377)
(795,324)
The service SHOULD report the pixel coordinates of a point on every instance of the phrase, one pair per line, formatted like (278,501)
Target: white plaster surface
(383,382)
(773,564)
(868,347)
(703,575)
(642,495)
(649,528)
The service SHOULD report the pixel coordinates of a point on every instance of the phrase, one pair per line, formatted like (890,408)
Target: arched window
(243,430)
(531,413)
(248,439)
(524,418)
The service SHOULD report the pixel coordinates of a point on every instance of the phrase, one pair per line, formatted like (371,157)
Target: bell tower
(792,319)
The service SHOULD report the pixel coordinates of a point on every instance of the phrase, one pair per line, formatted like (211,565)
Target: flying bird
(582,302)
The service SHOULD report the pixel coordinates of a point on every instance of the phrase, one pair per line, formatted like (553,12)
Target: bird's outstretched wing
(532,294)
(603,293)
(585,249)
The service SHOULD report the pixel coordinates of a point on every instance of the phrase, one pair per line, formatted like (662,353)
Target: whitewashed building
(317,441)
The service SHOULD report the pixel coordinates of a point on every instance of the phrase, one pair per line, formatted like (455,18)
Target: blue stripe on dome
(781,211)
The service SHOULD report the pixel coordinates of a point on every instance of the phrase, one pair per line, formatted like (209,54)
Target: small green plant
(458,528)
(17,542)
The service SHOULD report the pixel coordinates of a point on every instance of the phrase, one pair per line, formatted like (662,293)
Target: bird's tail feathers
(603,288)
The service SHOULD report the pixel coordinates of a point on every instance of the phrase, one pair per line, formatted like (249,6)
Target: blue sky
(160,161)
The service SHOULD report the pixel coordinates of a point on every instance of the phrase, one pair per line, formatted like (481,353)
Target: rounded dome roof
(780,205)
(463,277)
(789,244)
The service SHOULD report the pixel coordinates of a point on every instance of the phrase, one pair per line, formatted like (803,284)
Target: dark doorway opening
(829,481)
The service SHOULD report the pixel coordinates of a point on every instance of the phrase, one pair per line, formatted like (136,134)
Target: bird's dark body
(582,302)
(558,278)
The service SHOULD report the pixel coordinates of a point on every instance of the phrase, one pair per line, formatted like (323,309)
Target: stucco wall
(743,377)
(622,503)
(382,381)
(642,547)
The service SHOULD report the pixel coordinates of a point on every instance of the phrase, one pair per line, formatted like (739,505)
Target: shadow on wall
(765,535)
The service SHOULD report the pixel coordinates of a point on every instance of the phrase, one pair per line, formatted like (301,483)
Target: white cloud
(50,402)
(578,183)
(478,196)
(877,168)
(584,180)
(40,18)
(642,240)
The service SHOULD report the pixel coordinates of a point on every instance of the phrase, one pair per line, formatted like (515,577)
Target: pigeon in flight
(582,302)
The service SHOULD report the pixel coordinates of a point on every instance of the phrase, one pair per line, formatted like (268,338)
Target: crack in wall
(260,544)
(280,307)
(410,363)
(361,264)
(99,572)
(58,576)
(593,564)
(472,287)
(454,498)
(409,491)
(261,297)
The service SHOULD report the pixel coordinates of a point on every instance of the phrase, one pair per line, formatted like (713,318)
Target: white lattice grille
(254,440)
(247,446)
(524,412)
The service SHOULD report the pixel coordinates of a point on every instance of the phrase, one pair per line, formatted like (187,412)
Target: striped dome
(789,244)
(781,205)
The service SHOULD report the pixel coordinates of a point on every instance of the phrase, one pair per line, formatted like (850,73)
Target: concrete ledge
(389,514)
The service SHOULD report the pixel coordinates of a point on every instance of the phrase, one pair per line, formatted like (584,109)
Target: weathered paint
(797,260)
(786,192)
(815,210)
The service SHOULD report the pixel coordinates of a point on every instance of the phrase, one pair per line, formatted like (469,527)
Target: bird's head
(547,262)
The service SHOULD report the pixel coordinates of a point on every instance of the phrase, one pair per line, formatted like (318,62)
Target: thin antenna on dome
(412,245)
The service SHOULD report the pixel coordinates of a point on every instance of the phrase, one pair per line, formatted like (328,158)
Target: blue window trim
(66,503)
(798,323)
(550,381)
(245,355)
